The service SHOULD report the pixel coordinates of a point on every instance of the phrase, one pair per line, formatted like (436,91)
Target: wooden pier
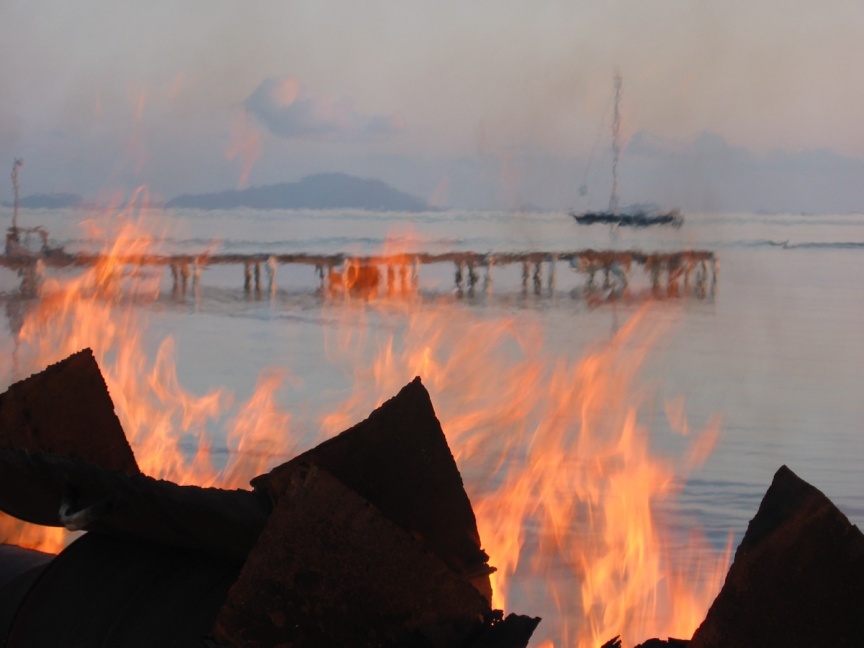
(673,273)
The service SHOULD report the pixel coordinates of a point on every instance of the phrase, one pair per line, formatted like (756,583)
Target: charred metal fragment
(104,592)
(398,459)
(66,410)
(512,632)
(384,553)
(19,569)
(330,569)
(797,579)
(61,491)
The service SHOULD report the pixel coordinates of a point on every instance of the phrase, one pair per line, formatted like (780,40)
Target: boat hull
(636,219)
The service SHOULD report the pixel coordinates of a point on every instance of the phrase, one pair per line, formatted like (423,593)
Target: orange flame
(554,449)
(167,427)
(557,463)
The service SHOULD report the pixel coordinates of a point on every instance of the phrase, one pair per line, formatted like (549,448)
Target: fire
(557,462)
(49,540)
(553,445)
(169,428)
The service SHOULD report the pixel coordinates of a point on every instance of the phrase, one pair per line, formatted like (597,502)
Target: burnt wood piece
(399,460)
(60,491)
(105,592)
(330,569)
(66,410)
(797,579)
(668,643)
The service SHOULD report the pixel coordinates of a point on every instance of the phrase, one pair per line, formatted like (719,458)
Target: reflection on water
(777,351)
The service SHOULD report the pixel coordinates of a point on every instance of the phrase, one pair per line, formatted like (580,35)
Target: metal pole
(616,145)
(17,164)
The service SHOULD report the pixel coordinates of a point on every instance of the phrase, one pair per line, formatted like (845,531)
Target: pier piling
(691,273)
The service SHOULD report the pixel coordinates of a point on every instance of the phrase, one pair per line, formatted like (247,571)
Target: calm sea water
(776,349)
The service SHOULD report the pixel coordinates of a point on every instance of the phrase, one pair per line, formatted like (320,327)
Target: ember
(368,539)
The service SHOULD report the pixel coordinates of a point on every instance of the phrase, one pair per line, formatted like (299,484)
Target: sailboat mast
(616,145)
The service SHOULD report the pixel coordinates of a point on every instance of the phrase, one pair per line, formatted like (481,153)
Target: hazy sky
(474,103)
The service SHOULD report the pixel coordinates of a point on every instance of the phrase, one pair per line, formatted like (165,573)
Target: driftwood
(797,579)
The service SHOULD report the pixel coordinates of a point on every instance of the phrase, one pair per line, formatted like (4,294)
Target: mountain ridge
(317,191)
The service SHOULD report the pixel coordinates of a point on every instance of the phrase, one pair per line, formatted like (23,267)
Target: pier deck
(360,274)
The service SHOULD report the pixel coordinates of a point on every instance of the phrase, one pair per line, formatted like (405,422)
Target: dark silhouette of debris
(367,539)
(66,410)
(331,570)
(797,579)
(105,592)
(398,459)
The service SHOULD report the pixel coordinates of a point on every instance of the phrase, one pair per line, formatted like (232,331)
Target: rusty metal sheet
(19,569)
(66,410)
(331,570)
(399,460)
(59,491)
(797,579)
(104,592)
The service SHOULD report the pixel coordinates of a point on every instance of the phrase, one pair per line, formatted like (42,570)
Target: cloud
(709,174)
(287,110)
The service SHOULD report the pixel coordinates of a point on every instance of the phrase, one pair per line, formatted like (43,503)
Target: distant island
(49,201)
(319,191)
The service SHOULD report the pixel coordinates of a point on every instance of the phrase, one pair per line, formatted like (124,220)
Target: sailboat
(637,217)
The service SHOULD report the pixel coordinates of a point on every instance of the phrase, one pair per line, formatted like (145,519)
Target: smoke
(289,111)
(245,145)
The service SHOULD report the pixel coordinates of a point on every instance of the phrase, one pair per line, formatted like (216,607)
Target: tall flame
(552,444)
(169,428)
(557,463)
